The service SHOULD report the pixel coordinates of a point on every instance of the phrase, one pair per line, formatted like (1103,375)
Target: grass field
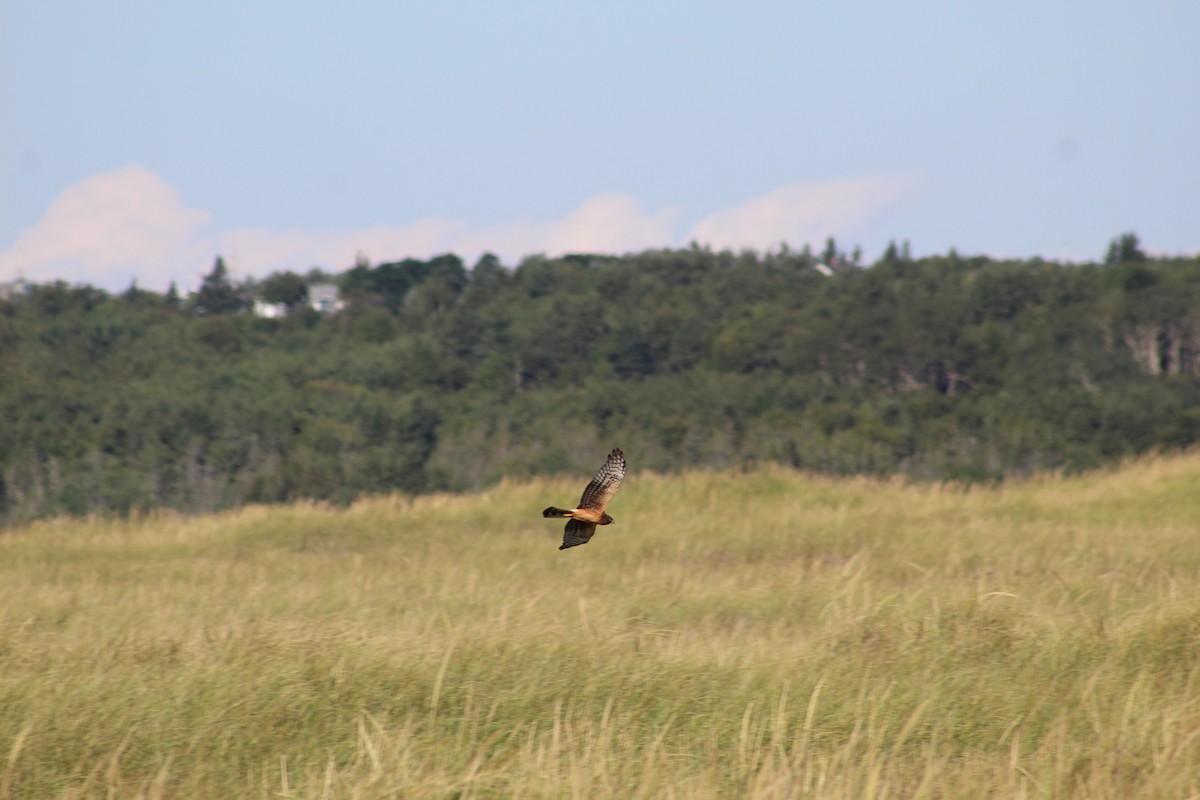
(767,635)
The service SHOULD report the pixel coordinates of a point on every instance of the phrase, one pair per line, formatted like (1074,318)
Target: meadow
(766,634)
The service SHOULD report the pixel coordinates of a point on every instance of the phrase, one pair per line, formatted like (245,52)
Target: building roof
(322,292)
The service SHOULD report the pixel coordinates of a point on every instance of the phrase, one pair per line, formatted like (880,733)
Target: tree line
(436,376)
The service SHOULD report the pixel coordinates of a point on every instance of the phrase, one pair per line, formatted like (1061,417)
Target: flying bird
(590,513)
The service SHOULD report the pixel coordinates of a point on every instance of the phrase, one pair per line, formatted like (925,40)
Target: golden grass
(765,635)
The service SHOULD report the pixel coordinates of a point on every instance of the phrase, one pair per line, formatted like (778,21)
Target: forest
(435,376)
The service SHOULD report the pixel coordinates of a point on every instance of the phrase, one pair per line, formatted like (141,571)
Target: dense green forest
(436,376)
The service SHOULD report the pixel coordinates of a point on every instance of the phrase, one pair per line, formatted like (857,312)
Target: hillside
(768,633)
(436,377)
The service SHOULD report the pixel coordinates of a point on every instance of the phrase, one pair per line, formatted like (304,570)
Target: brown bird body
(590,511)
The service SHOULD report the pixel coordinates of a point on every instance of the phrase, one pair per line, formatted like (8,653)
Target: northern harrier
(590,512)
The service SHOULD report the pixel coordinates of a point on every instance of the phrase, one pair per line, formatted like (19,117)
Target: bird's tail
(556,512)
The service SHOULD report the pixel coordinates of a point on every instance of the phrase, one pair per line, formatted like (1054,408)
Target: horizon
(317,275)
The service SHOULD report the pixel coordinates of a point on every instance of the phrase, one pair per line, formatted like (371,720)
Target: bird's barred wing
(605,484)
(577,532)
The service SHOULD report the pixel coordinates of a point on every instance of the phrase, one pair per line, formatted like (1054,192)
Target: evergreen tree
(217,294)
(830,254)
(1124,249)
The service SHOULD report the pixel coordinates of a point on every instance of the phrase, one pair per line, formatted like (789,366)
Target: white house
(323,297)
(269,310)
(11,289)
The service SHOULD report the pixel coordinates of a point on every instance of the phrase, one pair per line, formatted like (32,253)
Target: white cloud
(261,251)
(610,223)
(106,229)
(604,223)
(129,223)
(803,212)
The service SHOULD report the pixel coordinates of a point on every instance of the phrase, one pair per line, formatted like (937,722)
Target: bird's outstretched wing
(605,484)
(577,532)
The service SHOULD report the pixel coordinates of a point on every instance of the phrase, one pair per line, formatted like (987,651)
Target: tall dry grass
(761,635)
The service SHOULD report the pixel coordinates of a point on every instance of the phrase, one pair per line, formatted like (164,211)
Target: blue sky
(139,139)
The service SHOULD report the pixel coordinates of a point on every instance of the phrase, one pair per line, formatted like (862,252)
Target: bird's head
(606,519)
